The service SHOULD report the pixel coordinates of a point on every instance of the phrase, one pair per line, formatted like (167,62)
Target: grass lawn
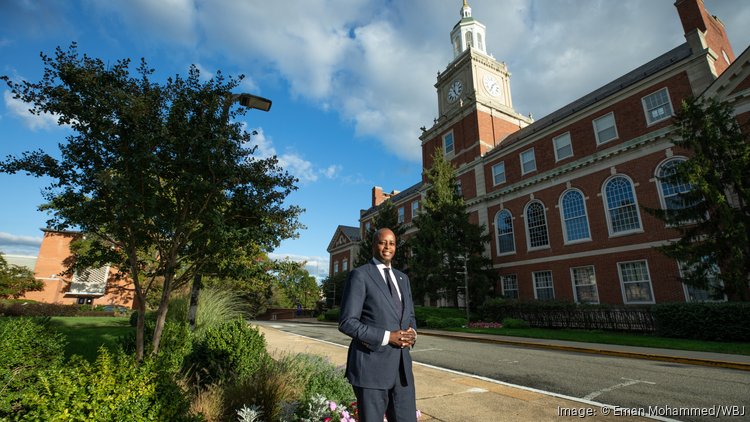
(609,337)
(86,334)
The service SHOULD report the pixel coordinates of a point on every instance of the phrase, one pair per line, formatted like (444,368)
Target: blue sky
(351,80)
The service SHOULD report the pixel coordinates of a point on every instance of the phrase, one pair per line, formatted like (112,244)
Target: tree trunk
(161,313)
(140,328)
(194,293)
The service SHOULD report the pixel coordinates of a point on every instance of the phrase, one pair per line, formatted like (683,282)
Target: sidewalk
(444,395)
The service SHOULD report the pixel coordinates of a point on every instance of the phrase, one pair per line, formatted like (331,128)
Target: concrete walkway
(444,395)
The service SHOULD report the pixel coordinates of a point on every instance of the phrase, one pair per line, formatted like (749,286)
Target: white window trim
(335,267)
(414,208)
(401,215)
(570,143)
(686,292)
(562,218)
(614,125)
(344,264)
(453,141)
(622,283)
(645,111)
(505,177)
(502,285)
(606,208)
(533,282)
(529,248)
(497,237)
(573,283)
(520,157)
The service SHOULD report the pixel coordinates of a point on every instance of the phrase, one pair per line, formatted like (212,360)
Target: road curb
(647,356)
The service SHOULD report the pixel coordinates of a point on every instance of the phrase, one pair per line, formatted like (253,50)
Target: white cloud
(317,266)
(20,109)
(291,161)
(20,245)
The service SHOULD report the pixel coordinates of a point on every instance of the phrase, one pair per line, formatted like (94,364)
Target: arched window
(469,40)
(479,41)
(536,225)
(622,208)
(575,220)
(505,241)
(671,186)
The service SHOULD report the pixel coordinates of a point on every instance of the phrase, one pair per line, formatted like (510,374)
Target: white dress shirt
(381,266)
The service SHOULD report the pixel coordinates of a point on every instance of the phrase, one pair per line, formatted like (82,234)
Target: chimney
(705,34)
(377,196)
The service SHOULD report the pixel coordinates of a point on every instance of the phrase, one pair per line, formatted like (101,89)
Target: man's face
(384,247)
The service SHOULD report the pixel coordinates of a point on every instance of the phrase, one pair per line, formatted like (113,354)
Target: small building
(95,286)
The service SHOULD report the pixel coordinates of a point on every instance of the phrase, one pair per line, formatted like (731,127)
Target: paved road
(623,382)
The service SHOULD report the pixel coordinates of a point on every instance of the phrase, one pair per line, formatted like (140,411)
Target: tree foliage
(714,224)
(447,243)
(16,280)
(333,288)
(298,286)
(387,217)
(156,175)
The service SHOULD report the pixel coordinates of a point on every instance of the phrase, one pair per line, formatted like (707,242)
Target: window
(635,281)
(400,215)
(657,106)
(498,173)
(448,143)
(459,189)
(712,291)
(563,147)
(367,227)
(335,267)
(456,46)
(528,161)
(510,286)
(344,265)
(504,224)
(414,209)
(584,284)
(605,129)
(536,224)
(469,40)
(480,45)
(575,221)
(543,288)
(671,186)
(622,209)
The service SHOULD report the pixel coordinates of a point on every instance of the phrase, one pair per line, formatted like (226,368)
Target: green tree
(447,246)
(387,217)
(16,280)
(157,176)
(333,287)
(714,221)
(297,284)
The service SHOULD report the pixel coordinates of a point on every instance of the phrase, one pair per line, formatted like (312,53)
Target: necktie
(394,292)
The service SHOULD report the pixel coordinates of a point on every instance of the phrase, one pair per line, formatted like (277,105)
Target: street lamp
(246,100)
(252,101)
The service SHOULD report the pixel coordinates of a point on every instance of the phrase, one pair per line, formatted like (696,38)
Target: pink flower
(345,415)
(332,405)
(419,414)
(327,419)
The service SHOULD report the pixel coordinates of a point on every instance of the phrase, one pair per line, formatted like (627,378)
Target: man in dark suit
(377,312)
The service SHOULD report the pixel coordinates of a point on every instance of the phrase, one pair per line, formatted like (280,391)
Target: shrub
(115,387)
(332,314)
(320,376)
(439,323)
(229,351)
(36,309)
(27,346)
(425,313)
(515,323)
(727,321)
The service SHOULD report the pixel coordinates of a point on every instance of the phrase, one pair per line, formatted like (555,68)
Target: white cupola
(468,33)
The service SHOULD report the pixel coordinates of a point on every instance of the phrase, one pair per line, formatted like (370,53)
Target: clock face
(492,86)
(454,90)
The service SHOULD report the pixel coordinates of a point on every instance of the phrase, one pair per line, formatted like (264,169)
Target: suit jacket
(367,312)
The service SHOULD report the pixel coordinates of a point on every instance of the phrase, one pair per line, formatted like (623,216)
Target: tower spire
(468,33)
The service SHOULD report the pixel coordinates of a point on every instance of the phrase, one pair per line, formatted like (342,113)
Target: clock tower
(475,110)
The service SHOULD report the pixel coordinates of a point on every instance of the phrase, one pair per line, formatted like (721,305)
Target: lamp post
(252,102)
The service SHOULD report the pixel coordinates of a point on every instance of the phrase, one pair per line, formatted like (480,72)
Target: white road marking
(425,350)
(616,386)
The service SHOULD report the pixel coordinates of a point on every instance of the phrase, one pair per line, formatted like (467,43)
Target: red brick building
(562,195)
(96,286)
